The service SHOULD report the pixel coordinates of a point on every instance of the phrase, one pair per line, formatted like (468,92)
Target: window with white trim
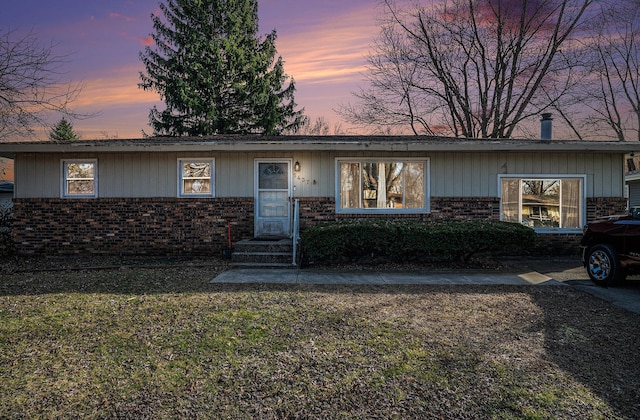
(196,177)
(382,185)
(543,202)
(80,178)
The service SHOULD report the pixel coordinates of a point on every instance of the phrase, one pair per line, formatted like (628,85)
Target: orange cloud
(331,51)
(144,41)
(119,90)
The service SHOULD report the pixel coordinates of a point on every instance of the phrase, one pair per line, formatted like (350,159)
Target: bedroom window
(382,186)
(196,177)
(543,203)
(80,178)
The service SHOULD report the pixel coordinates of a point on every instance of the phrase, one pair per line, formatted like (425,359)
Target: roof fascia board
(327,144)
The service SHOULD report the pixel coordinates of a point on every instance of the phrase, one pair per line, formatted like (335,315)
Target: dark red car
(611,247)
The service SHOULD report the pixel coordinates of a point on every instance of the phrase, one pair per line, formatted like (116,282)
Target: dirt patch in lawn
(160,341)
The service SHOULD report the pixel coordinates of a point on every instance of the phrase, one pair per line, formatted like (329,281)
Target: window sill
(557,230)
(382,211)
(79,196)
(196,196)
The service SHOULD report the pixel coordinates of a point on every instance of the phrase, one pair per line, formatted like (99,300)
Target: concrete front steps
(257,253)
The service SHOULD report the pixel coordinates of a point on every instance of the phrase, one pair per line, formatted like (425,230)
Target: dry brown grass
(162,342)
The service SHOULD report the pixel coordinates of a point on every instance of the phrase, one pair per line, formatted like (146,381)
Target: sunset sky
(323,44)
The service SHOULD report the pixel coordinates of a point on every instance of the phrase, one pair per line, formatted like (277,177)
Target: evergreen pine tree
(62,131)
(214,74)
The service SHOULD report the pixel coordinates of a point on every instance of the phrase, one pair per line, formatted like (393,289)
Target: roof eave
(345,144)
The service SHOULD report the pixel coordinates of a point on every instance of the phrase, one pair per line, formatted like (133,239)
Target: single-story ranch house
(183,195)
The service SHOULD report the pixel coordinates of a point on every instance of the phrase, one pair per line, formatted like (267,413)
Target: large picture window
(196,177)
(79,178)
(382,185)
(543,203)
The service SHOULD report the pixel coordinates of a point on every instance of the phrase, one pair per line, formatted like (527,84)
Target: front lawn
(164,343)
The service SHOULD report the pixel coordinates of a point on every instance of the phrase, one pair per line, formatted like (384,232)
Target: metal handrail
(296,228)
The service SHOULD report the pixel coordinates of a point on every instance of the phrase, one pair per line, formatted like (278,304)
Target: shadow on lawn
(596,343)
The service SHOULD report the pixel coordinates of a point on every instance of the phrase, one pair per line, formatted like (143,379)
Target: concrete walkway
(293,276)
(531,271)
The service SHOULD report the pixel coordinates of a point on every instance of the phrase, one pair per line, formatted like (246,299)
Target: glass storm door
(273,190)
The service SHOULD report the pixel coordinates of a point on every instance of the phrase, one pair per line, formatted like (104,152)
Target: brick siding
(154,226)
(605,206)
(486,208)
(194,226)
(558,244)
(314,210)
(322,209)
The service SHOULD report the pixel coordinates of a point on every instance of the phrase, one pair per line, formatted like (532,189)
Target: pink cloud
(113,15)
(331,51)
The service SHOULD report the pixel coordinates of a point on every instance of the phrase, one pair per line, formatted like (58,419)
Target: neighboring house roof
(246,143)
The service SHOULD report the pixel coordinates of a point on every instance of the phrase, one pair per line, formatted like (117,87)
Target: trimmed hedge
(412,241)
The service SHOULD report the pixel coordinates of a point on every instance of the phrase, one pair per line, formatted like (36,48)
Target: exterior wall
(316,210)
(159,226)
(473,174)
(466,208)
(173,226)
(600,207)
(452,174)
(558,244)
(137,211)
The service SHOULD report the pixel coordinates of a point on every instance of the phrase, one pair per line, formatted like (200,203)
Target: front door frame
(258,219)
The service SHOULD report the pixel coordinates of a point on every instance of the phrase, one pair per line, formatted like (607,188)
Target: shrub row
(409,241)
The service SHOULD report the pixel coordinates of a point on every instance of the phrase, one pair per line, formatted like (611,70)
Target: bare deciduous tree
(467,68)
(106,135)
(31,85)
(319,127)
(614,79)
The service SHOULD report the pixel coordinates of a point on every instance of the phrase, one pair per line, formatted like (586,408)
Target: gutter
(317,143)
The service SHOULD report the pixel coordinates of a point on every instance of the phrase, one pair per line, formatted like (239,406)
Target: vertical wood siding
(453,174)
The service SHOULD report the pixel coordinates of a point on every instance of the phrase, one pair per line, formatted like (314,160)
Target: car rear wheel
(603,265)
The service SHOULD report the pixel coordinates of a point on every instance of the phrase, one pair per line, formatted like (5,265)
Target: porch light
(296,166)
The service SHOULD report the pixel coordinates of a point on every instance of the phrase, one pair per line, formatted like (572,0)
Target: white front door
(272,198)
